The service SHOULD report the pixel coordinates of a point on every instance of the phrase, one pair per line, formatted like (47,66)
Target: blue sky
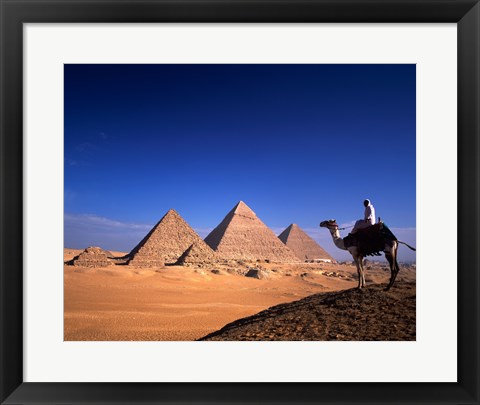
(297,143)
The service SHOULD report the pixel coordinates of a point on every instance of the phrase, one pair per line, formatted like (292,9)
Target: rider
(369,217)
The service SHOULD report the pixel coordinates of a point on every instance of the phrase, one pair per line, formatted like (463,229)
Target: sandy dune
(187,303)
(366,314)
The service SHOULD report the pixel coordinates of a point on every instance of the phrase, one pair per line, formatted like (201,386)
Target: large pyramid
(243,236)
(303,245)
(166,242)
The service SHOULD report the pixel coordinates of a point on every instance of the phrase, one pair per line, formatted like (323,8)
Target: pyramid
(243,236)
(165,243)
(91,257)
(302,244)
(197,254)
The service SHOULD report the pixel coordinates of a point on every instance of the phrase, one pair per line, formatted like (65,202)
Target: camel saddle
(370,241)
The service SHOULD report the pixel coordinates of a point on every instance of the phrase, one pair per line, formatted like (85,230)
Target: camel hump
(380,229)
(370,240)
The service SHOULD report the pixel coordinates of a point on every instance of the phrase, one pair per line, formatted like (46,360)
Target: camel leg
(359,272)
(359,263)
(363,272)
(391,256)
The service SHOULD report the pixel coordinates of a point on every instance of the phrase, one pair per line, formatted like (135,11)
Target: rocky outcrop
(366,314)
(257,273)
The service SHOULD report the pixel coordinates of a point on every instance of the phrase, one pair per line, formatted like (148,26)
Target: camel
(369,241)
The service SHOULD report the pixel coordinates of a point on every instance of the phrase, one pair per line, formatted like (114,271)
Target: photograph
(241,192)
(239,202)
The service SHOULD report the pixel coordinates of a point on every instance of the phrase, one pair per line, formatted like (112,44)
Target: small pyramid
(197,254)
(243,236)
(165,243)
(303,245)
(92,256)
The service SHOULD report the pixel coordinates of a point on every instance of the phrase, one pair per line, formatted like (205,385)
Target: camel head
(329,223)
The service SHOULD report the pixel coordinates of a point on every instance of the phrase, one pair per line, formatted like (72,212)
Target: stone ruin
(257,273)
(92,256)
(243,236)
(303,245)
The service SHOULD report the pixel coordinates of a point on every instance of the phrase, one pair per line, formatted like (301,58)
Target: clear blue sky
(297,143)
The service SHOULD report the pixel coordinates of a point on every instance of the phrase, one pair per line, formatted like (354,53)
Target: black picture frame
(14,13)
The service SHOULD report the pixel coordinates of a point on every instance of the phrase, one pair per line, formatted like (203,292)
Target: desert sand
(353,314)
(179,303)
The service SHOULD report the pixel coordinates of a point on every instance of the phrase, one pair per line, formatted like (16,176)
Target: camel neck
(337,240)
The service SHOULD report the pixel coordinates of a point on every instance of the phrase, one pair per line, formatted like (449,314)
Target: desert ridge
(345,315)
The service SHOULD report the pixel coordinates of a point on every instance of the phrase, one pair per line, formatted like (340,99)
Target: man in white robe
(369,217)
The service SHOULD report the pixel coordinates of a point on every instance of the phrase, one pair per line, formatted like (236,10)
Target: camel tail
(407,245)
